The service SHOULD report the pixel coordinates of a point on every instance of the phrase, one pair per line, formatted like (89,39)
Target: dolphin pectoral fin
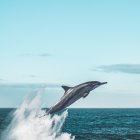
(85,95)
(66,88)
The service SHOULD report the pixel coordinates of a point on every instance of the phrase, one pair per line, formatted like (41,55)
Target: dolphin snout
(103,83)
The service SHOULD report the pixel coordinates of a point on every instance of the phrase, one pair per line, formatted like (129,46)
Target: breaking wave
(26,125)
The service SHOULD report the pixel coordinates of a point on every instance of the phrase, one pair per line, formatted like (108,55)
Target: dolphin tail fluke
(46,113)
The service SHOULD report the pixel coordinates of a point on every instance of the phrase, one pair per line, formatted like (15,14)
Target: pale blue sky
(58,42)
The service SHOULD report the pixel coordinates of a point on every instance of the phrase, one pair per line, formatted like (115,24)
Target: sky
(47,43)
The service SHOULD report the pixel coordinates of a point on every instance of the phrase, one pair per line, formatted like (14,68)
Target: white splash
(26,125)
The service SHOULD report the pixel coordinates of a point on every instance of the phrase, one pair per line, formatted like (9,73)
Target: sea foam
(27,125)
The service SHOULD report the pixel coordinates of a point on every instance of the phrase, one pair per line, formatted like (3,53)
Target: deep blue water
(96,124)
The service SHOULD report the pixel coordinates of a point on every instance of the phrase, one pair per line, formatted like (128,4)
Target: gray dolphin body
(72,94)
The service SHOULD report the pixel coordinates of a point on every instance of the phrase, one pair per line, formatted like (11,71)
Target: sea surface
(93,124)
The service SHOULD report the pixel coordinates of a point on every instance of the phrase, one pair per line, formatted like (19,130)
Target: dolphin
(72,94)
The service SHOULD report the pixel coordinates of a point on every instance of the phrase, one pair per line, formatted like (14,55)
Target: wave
(26,125)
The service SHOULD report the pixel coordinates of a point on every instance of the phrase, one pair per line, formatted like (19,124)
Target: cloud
(30,85)
(33,76)
(120,68)
(2,79)
(35,55)
(44,55)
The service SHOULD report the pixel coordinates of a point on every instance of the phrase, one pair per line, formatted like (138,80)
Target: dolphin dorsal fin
(66,88)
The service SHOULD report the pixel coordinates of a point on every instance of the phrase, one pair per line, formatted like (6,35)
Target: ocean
(81,124)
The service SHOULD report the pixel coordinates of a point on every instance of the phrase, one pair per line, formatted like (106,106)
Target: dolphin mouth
(103,83)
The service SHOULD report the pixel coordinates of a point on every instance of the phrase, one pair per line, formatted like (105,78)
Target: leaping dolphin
(72,94)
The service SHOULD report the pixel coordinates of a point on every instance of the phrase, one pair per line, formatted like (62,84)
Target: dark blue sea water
(95,124)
